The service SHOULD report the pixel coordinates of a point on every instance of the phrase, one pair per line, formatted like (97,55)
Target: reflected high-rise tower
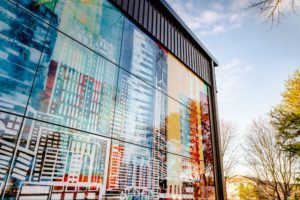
(139,117)
(100,99)
(80,85)
(22,40)
(75,90)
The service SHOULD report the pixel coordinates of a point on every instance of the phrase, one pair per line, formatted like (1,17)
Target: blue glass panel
(22,39)
(53,162)
(96,24)
(75,87)
(39,8)
(140,112)
(143,57)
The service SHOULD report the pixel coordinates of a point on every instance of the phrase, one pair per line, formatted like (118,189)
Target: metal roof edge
(173,12)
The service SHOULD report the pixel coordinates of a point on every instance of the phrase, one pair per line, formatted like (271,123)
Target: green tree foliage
(47,3)
(248,192)
(285,117)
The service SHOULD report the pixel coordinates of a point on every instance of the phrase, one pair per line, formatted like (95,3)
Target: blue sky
(254,57)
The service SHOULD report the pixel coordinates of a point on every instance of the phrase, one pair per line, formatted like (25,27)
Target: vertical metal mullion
(154,24)
(189,54)
(193,59)
(198,63)
(215,132)
(131,7)
(202,66)
(162,29)
(181,48)
(175,42)
(207,66)
(141,12)
(136,10)
(150,18)
(119,3)
(158,25)
(179,45)
(125,5)
(172,37)
(184,51)
(166,33)
(145,15)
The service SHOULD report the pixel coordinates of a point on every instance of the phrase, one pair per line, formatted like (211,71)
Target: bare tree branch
(228,147)
(272,10)
(275,168)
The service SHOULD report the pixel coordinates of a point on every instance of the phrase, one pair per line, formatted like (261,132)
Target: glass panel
(22,39)
(143,57)
(184,179)
(140,112)
(53,162)
(183,84)
(74,87)
(96,24)
(9,131)
(40,8)
(208,176)
(135,172)
(141,173)
(184,136)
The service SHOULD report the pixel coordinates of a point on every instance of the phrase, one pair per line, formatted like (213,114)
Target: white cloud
(213,18)
(210,16)
(230,78)
(238,5)
(234,18)
(218,29)
(189,5)
(217,6)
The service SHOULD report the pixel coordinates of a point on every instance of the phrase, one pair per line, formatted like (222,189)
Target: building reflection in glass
(91,107)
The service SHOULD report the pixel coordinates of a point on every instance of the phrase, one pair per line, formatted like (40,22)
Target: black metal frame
(214,118)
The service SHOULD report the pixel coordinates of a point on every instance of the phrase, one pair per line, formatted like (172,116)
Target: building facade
(103,99)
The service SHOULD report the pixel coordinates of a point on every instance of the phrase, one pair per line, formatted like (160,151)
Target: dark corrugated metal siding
(162,25)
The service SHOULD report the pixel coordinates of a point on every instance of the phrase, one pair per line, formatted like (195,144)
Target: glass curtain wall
(91,107)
